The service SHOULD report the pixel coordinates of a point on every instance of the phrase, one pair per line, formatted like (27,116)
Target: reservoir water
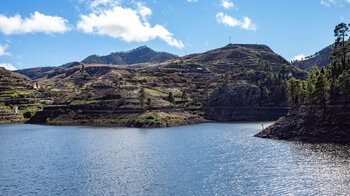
(204,159)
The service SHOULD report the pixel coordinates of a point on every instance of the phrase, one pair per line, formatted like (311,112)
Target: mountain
(319,59)
(250,77)
(35,73)
(141,54)
(238,54)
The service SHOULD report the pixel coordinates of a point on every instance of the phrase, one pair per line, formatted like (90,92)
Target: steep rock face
(319,59)
(240,103)
(231,96)
(312,124)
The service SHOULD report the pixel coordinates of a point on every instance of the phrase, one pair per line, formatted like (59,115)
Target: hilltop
(141,54)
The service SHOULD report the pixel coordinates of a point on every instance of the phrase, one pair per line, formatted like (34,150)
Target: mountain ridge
(320,59)
(142,54)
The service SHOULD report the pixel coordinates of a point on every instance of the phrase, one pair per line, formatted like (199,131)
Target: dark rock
(232,95)
(310,124)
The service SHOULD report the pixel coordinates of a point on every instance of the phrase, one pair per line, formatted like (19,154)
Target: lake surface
(204,159)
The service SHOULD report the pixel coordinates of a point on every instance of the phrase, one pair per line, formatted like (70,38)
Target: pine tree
(142,97)
(321,88)
(184,96)
(341,45)
(294,90)
(310,85)
(343,83)
(149,102)
(171,98)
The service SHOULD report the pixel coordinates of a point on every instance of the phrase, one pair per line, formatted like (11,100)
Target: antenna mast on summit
(229,39)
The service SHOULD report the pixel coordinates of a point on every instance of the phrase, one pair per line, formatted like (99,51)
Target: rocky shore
(312,124)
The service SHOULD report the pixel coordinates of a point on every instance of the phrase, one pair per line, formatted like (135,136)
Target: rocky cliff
(312,124)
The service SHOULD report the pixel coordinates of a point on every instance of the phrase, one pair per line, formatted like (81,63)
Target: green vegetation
(147,119)
(330,85)
(154,92)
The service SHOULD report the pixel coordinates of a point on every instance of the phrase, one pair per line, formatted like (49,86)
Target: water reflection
(205,159)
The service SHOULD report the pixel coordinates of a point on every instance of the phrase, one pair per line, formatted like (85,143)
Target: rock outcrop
(312,124)
(242,95)
(240,103)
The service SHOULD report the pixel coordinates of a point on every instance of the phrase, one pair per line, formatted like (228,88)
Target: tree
(343,82)
(321,88)
(184,96)
(310,84)
(149,102)
(142,97)
(171,98)
(284,71)
(341,44)
(294,88)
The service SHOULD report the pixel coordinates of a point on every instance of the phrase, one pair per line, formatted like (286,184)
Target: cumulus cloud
(192,0)
(126,24)
(227,4)
(3,50)
(8,66)
(36,23)
(299,57)
(246,23)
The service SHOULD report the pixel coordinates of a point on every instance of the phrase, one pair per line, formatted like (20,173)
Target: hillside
(141,54)
(16,91)
(319,59)
(320,104)
(111,94)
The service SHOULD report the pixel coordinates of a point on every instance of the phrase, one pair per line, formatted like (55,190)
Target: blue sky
(50,33)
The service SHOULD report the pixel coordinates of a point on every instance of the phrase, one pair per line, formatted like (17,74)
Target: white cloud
(126,24)
(8,66)
(97,3)
(329,3)
(246,23)
(3,50)
(192,0)
(227,4)
(37,23)
(299,57)
(143,11)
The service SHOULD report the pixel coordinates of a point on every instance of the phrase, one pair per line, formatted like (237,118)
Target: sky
(40,33)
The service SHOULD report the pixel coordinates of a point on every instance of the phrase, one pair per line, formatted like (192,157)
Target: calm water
(204,159)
